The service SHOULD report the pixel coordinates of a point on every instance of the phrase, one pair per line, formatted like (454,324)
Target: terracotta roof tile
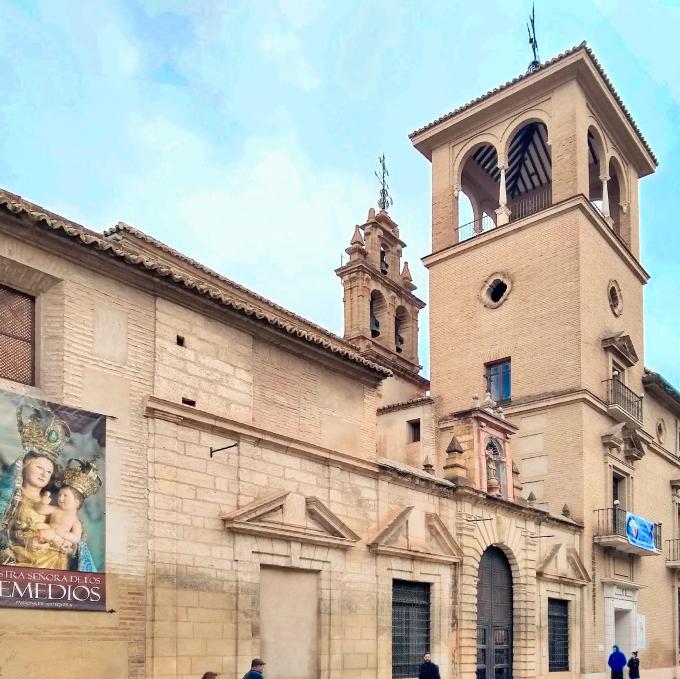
(123,227)
(96,242)
(583,46)
(421,400)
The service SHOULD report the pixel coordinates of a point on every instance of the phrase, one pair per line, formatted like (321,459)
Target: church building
(192,476)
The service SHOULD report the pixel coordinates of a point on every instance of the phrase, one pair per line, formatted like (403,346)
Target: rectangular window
(410,626)
(17,340)
(498,379)
(558,635)
(413,431)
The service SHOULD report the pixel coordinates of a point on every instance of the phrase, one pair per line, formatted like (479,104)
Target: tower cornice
(578,202)
(361,266)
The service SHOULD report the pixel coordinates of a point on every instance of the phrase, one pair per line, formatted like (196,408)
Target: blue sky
(246,133)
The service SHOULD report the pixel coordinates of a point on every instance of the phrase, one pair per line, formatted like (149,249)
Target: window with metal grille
(17,341)
(558,635)
(410,626)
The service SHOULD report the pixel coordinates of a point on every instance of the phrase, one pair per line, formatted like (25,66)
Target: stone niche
(478,451)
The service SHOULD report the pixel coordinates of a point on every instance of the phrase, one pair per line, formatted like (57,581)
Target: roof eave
(662,389)
(578,61)
(433,135)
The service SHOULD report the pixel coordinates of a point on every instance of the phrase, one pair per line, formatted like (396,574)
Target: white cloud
(266,218)
(285,49)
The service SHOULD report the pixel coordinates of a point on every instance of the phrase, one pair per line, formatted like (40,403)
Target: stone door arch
(494,616)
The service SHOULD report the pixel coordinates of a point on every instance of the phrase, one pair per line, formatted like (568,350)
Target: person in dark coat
(210,675)
(634,666)
(616,662)
(428,670)
(256,669)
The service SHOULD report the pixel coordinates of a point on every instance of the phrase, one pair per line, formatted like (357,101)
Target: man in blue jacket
(256,669)
(616,662)
(428,670)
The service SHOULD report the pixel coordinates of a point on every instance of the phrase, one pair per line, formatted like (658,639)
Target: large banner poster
(640,532)
(52,505)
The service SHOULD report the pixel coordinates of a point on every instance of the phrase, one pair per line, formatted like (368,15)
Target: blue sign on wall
(640,532)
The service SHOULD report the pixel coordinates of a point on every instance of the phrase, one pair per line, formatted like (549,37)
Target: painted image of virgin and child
(49,486)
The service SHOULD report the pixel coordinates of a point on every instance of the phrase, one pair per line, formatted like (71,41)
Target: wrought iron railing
(619,394)
(475,227)
(612,521)
(673,550)
(523,206)
(530,203)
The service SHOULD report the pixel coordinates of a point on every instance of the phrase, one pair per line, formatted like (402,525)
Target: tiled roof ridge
(122,226)
(404,404)
(17,205)
(563,55)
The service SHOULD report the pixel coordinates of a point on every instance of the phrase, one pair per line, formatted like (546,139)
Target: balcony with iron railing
(520,207)
(616,528)
(673,553)
(623,403)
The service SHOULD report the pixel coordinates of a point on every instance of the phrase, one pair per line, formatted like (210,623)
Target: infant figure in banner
(63,528)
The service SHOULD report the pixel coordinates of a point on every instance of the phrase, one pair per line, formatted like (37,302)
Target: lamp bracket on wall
(217,450)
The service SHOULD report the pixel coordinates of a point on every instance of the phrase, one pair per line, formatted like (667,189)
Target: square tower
(536,297)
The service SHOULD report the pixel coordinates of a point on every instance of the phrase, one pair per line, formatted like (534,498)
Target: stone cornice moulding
(332,523)
(222,426)
(580,574)
(452,551)
(579,202)
(442,534)
(247,520)
(585,396)
(394,286)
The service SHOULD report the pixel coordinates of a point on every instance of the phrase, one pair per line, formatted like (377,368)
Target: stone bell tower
(536,298)
(381,311)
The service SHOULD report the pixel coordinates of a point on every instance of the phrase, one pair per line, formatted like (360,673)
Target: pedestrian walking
(428,670)
(634,666)
(256,669)
(616,662)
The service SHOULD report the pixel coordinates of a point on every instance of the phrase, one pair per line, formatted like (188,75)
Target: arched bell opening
(479,177)
(615,195)
(597,162)
(529,172)
(402,332)
(378,314)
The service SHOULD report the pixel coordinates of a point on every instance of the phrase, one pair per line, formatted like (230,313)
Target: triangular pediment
(416,534)
(289,516)
(633,449)
(559,562)
(621,345)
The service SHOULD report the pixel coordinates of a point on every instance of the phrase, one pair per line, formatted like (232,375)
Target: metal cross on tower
(531,27)
(385,199)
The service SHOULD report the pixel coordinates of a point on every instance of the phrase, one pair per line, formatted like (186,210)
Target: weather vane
(531,27)
(385,199)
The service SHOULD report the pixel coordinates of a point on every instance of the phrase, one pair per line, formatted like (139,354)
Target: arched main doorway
(494,616)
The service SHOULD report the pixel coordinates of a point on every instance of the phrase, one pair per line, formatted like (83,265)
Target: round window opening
(660,430)
(496,290)
(615,298)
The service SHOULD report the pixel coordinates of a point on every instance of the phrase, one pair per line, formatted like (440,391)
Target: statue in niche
(495,468)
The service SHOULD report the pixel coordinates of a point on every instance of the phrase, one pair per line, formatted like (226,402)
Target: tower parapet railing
(523,206)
